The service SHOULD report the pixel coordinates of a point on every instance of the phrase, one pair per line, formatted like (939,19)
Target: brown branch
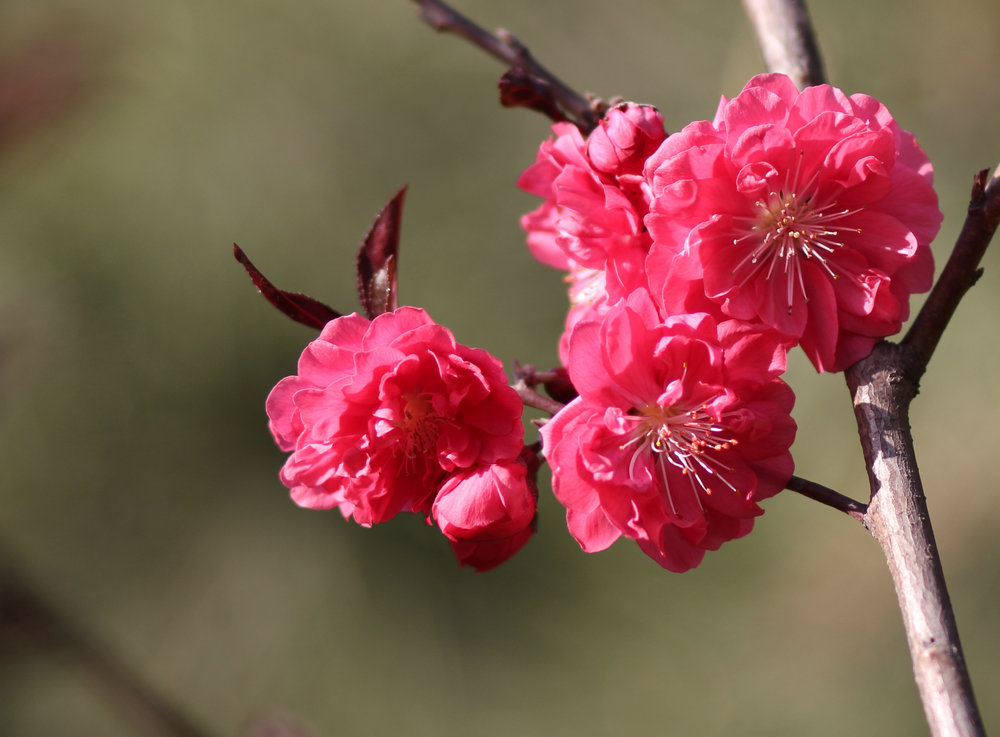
(28,621)
(882,387)
(829,497)
(962,269)
(786,39)
(505,47)
(533,399)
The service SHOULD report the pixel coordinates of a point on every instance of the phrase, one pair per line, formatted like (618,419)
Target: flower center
(690,441)
(790,226)
(420,426)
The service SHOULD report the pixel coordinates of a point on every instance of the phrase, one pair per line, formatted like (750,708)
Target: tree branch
(27,620)
(786,39)
(505,47)
(827,496)
(882,387)
(962,269)
(533,399)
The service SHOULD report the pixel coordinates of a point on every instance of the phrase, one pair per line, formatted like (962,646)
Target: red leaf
(520,89)
(377,259)
(299,307)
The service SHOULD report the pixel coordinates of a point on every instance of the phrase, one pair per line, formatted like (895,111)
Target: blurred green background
(139,486)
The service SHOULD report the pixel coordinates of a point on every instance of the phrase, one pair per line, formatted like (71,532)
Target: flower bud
(487,512)
(627,135)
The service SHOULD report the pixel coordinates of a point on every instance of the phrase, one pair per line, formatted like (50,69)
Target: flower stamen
(420,426)
(690,441)
(790,225)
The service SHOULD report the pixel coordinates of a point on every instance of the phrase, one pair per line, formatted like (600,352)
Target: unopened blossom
(593,210)
(383,411)
(487,512)
(811,212)
(624,138)
(681,427)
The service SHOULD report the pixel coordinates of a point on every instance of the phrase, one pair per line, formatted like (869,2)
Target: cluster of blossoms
(695,261)
(591,223)
(393,415)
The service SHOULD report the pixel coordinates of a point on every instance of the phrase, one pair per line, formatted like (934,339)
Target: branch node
(503,45)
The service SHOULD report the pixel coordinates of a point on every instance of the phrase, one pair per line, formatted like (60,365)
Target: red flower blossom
(382,411)
(595,199)
(680,428)
(594,191)
(487,513)
(811,212)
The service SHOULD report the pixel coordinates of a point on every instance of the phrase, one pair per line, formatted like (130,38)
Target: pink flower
(624,138)
(591,223)
(811,212)
(593,208)
(681,427)
(588,300)
(487,513)
(587,217)
(382,411)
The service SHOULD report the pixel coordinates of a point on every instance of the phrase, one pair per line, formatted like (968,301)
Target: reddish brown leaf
(299,307)
(520,89)
(377,259)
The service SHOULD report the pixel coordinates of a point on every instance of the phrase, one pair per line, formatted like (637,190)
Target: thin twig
(962,269)
(533,399)
(505,47)
(828,496)
(786,38)
(27,620)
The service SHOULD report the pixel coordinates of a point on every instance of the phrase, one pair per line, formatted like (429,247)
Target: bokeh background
(138,482)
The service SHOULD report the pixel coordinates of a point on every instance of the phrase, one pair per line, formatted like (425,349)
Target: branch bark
(882,387)
(786,39)
(531,398)
(505,47)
